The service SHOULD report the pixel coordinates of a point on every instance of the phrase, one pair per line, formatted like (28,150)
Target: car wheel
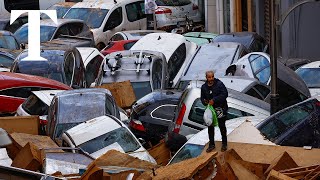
(100,46)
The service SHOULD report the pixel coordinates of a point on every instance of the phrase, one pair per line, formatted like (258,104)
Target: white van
(105,18)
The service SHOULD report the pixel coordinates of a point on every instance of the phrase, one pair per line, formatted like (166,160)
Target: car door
(115,23)
(136,16)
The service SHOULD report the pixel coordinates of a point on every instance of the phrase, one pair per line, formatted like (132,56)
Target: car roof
(244,38)
(100,4)
(85,90)
(46,96)
(65,4)
(86,52)
(60,22)
(241,97)
(127,64)
(93,128)
(238,83)
(201,138)
(138,34)
(9,80)
(166,43)
(315,64)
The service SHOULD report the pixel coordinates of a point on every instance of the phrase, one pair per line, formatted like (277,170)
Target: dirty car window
(46,33)
(8,42)
(92,16)
(187,152)
(121,136)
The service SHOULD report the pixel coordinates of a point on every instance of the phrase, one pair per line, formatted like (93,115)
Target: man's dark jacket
(217,92)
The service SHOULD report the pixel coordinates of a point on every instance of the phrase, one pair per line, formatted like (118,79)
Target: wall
(211,16)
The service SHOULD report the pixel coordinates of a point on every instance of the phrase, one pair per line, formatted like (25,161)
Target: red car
(114,46)
(15,87)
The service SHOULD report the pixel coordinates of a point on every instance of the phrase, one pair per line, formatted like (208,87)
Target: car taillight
(180,118)
(195,7)
(163,11)
(137,125)
(43,122)
(318,103)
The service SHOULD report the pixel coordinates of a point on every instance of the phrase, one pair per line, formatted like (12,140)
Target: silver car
(189,113)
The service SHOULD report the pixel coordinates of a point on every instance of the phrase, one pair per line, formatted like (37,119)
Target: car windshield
(46,33)
(187,152)
(141,88)
(8,42)
(61,11)
(120,137)
(311,76)
(41,68)
(172,2)
(5,61)
(284,121)
(92,16)
(34,106)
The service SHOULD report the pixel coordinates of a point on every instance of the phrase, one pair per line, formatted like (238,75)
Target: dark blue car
(297,125)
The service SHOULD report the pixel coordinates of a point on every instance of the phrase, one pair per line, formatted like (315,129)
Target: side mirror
(22,46)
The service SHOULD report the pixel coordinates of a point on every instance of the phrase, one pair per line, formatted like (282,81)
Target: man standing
(215,93)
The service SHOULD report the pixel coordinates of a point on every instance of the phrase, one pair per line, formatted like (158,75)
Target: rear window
(34,106)
(187,152)
(172,2)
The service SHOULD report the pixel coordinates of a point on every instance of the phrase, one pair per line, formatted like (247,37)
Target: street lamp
(275,25)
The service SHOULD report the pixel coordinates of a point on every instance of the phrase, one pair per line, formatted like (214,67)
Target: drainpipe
(232,16)
(219,9)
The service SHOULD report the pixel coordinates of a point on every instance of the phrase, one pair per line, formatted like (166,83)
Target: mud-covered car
(63,65)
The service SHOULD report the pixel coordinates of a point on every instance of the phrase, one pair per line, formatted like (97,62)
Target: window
(75,28)
(5,61)
(128,46)
(117,37)
(63,30)
(264,91)
(20,92)
(164,112)
(176,61)
(157,69)
(69,65)
(282,122)
(258,45)
(260,67)
(135,11)
(93,69)
(197,111)
(34,106)
(187,152)
(114,20)
(252,92)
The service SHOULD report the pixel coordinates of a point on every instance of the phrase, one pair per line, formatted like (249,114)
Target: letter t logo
(34,30)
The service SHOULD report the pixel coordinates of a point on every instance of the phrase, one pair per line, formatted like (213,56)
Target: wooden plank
(304,168)
(312,172)
(282,162)
(161,153)
(241,172)
(238,16)
(250,19)
(298,173)
(122,92)
(275,175)
(315,176)
(21,124)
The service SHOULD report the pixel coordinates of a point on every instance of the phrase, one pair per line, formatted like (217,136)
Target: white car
(99,135)
(188,116)
(173,13)
(105,18)
(196,144)
(177,50)
(37,103)
(93,62)
(132,35)
(310,73)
